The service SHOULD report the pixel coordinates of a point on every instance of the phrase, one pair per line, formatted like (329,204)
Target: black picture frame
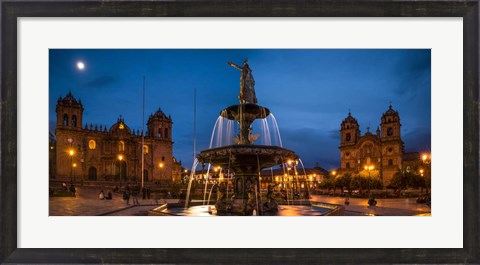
(11,10)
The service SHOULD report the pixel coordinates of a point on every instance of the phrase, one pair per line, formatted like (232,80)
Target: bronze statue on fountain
(271,204)
(244,159)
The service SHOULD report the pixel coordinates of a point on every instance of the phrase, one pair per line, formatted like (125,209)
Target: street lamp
(161,169)
(426,160)
(71,152)
(369,169)
(74,166)
(120,159)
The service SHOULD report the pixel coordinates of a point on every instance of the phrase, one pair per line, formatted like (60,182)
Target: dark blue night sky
(310,92)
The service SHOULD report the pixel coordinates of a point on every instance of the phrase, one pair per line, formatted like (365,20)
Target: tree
(372,179)
(344,181)
(359,182)
(403,180)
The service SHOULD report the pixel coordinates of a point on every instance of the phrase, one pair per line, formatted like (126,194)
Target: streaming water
(306,180)
(224,130)
(210,194)
(207,176)
(276,130)
(192,176)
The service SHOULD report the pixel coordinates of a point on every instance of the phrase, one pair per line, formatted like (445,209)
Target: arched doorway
(92,173)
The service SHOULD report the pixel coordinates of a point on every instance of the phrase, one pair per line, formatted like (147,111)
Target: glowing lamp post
(369,169)
(160,165)
(74,166)
(120,159)
(426,162)
(71,152)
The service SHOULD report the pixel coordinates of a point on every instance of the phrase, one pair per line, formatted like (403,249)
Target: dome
(69,101)
(120,127)
(159,115)
(390,115)
(391,111)
(349,121)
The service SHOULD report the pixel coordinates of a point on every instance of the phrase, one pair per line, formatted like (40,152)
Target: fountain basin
(253,111)
(246,158)
(283,210)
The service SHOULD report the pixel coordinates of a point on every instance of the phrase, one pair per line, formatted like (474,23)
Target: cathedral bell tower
(390,125)
(160,126)
(349,131)
(69,112)
(392,144)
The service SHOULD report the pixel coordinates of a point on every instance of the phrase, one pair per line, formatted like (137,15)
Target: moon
(80,65)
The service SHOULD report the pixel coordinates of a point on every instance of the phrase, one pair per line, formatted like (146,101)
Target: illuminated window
(145,149)
(121,146)
(92,144)
(121,126)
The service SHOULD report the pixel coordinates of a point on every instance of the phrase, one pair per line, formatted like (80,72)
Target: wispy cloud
(100,81)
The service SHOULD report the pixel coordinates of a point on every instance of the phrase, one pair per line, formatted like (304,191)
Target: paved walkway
(387,207)
(87,203)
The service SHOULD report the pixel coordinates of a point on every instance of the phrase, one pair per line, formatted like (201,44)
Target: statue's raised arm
(235,66)
(247,84)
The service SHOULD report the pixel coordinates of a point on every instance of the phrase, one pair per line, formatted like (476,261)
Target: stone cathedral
(93,152)
(384,150)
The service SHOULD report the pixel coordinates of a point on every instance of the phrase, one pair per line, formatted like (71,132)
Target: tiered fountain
(244,159)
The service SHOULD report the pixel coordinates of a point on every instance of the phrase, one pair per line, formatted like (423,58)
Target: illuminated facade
(382,151)
(94,153)
(297,178)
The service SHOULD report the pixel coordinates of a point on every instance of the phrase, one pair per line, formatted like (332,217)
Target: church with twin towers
(383,151)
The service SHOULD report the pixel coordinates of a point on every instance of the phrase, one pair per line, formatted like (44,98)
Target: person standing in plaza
(73,190)
(101,196)
(109,196)
(126,194)
(135,191)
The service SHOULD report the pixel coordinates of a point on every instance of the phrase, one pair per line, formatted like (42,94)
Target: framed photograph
(200,132)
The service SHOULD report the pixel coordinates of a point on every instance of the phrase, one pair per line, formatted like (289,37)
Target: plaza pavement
(86,203)
(384,207)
